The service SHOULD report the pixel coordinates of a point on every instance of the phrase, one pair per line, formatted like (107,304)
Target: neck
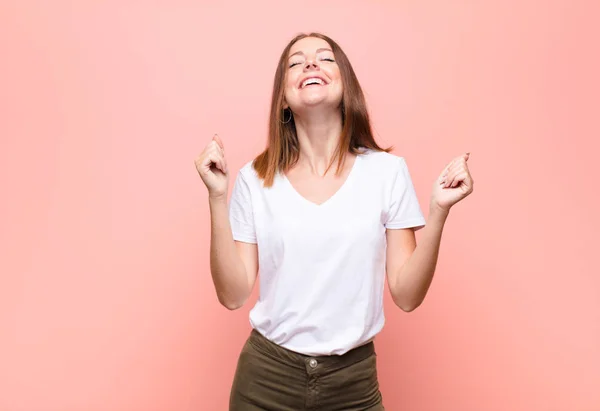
(319,135)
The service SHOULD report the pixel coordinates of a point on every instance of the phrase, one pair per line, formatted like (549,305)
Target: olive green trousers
(271,378)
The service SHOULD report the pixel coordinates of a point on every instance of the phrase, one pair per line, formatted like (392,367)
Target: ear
(285,105)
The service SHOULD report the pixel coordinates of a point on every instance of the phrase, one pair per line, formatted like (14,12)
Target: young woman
(325,214)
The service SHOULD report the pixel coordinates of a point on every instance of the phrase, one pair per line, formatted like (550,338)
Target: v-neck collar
(347,182)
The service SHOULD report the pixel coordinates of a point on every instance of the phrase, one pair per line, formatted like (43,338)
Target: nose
(311,65)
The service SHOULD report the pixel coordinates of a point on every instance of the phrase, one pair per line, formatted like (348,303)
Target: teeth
(313,80)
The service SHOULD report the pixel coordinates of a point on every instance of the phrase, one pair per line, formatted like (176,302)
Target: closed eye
(323,59)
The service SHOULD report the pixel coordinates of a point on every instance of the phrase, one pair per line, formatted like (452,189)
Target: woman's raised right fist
(212,167)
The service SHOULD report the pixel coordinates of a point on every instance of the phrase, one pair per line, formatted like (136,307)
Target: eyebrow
(318,51)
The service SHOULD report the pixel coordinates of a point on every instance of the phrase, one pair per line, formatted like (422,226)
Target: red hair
(283,149)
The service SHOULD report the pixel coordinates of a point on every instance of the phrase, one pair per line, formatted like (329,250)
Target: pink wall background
(106,301)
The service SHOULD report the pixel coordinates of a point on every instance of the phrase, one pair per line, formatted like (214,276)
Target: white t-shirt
(322,267)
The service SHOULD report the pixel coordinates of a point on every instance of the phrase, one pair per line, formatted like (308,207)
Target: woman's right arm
(233,264)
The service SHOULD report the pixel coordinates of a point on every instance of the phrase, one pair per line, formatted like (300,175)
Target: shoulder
(247,171)
(248,177)
(382,162)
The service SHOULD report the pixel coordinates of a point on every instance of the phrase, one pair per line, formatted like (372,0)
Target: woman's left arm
(410,267)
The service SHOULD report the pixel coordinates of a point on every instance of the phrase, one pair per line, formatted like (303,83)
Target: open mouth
(313,81)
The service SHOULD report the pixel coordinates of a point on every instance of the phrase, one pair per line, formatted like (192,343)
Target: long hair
(283,149)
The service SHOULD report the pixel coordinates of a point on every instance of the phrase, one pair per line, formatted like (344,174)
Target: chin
(314,98)
(316,102)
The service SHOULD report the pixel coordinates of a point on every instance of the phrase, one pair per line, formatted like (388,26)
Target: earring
(290,119)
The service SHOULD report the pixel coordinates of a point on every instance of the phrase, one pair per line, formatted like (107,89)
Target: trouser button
(313,363)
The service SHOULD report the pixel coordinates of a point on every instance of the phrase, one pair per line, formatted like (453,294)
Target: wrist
(217,199)
(438,213)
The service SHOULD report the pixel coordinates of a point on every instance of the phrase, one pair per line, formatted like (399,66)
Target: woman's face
(313,76)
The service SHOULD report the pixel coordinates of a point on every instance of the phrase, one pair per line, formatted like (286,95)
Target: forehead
(309,45)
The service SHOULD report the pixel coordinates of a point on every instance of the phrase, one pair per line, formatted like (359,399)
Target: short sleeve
(404,210)
(241,216)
